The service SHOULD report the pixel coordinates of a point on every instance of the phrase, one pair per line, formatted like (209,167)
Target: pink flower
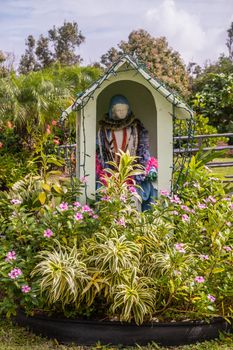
(77,204)
(202,206)
(86,209)
(95,216)
(165,193)
(185,218)
(10,256)
(105,198)
(123,198)
(211,298)
(185,208)
(175,212)
(231,206)
(204,257)
(177,273)
(78,216)
(227,248)
(176,199)
(16,201)
(132,189)
(48,233)
(16,272)
(54,122)
(180,247)
(121,222)
(199,279)
(64,206)
(25,288)
(210,199)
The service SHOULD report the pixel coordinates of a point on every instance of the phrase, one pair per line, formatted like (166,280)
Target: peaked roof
(182,110)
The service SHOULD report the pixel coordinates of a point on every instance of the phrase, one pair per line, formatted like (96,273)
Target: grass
(17,338)
(225,170)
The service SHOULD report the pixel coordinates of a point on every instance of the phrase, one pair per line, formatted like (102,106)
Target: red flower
(9,125)
(56,141)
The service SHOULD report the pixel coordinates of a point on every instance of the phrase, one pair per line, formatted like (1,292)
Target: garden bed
(85,332)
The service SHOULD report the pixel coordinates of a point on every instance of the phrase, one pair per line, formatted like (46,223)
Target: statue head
(119,107)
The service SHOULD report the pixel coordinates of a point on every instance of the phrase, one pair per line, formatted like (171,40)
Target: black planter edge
(87,332)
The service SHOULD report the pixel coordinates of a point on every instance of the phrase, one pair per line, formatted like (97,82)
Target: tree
(161,60)
(212,89)
(28,60)
(6,63)
(214,100)
(59,46)
(43,53)
(229,42)
(65,39)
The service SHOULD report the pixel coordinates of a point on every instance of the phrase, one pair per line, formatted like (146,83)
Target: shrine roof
(182,110)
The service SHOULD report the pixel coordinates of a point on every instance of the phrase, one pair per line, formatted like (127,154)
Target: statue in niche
(120,130)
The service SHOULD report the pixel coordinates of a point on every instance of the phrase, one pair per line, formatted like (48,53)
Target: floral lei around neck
(117,124)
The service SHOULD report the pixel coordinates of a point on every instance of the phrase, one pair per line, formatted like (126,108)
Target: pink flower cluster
(202,206)
(48,233)
(121,222)
(210,199)
(227,248)
(64,206)
(15,273)
(185,218)
(25,288)
(211,298)
(16,201)
(132,189)
(176,199)
(199,279)
(85,209)
(180,247)
(164,193)
(78,216)
(204,257)
(10,256)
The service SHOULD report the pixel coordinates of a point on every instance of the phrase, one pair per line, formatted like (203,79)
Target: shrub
(170,263)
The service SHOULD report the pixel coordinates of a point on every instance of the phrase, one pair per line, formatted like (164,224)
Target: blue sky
(195,28)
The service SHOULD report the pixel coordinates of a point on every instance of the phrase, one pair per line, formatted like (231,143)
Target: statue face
(120,110)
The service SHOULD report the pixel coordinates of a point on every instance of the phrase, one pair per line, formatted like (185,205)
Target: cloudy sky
(195,28)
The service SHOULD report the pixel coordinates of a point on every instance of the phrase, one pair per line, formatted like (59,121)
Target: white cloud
(184,31)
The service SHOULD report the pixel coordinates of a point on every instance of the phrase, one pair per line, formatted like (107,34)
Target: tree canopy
(59,46)
(162,61)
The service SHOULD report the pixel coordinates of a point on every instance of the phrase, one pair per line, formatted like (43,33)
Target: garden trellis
(157,106)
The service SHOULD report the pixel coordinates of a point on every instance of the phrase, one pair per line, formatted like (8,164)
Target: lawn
(224,170)
(16,338)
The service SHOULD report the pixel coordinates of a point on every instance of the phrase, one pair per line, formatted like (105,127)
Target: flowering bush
(170,263)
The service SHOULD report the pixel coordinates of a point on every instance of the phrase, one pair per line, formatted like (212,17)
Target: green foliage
(170,263)
(30,105)
(214,100)
(63,274)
